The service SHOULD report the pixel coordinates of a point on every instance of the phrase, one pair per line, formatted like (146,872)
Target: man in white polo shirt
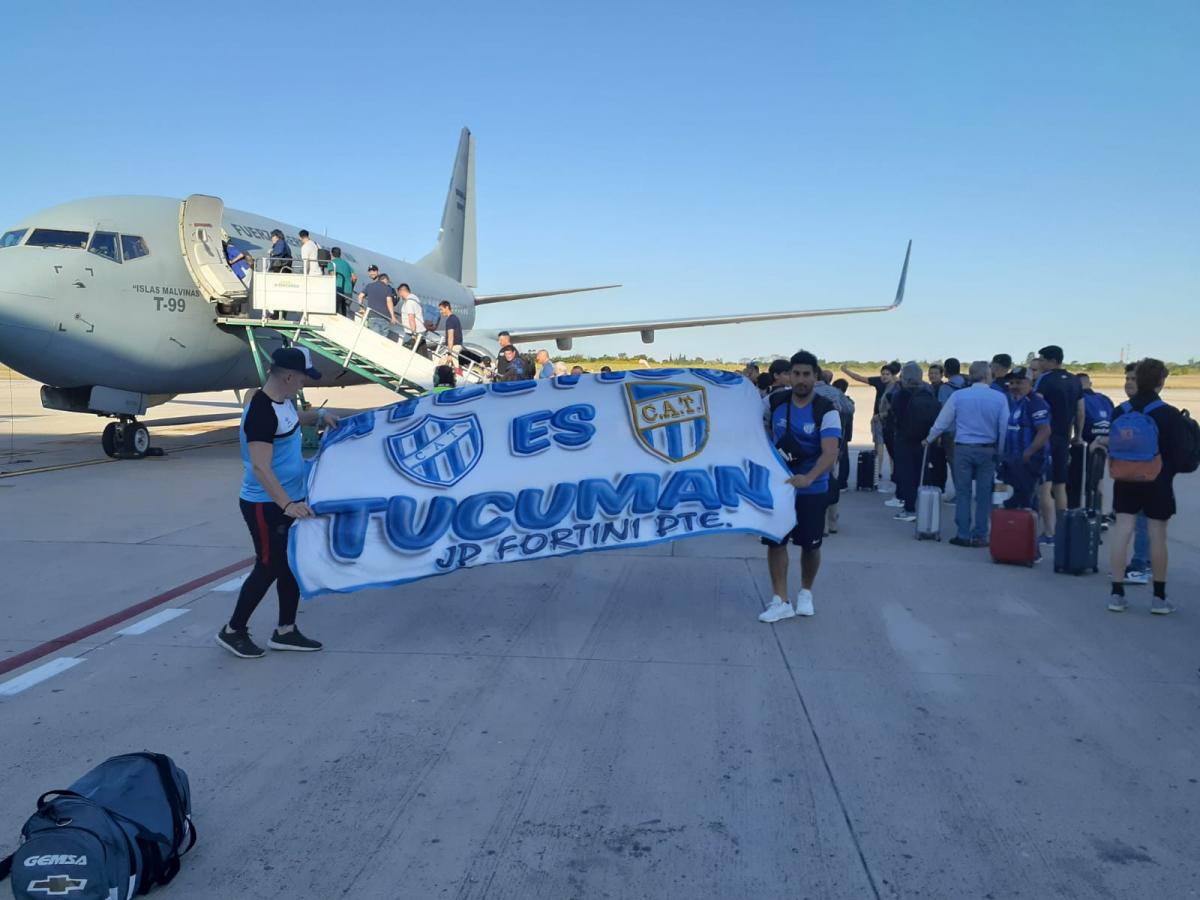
(412,320)
(308,252)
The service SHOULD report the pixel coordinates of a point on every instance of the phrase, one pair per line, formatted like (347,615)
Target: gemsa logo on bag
(57,886)
(669,420)
(436,451)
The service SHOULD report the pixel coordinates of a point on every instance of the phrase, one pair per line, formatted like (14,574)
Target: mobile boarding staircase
(302,307)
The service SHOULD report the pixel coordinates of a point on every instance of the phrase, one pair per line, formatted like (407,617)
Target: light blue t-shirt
(278,424)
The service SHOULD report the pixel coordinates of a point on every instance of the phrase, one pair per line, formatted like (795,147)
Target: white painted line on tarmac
(233,584)
(38,675)
(159,618)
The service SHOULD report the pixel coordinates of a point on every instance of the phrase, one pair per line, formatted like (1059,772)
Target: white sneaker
(779,610)
(886,487)
(804,603)
(1136,576)
(895,503)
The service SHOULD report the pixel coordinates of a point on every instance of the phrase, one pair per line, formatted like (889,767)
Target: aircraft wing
(565,333)
(481,299)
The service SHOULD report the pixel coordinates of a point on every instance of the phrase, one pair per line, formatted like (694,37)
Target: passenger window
(12,238)
(133,247)
(55,237)
(104,243)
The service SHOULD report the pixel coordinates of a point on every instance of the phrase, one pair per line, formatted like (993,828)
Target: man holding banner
(272,498)
(807,430)
(524,470)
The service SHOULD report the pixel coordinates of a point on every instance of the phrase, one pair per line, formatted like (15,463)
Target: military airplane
(109,304)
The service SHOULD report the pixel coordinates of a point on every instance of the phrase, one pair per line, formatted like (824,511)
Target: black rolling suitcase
(1077,542)
(866,471)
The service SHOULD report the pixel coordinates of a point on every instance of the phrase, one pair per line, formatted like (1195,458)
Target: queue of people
(1037,437)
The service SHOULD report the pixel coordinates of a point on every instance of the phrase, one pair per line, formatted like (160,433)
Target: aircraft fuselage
(72,318)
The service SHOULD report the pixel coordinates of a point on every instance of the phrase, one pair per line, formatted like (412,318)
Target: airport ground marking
(159,618)
(27,656)
(59,467)
(37,676)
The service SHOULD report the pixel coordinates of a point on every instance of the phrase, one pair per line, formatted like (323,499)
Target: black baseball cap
(1020,373)
(372,268)
(295,360)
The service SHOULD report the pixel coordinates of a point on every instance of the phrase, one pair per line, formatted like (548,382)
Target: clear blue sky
(712,157)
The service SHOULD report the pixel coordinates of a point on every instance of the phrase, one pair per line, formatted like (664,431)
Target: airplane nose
(25,309)
(25,328)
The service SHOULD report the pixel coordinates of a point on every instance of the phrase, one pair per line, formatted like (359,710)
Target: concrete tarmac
(614,724)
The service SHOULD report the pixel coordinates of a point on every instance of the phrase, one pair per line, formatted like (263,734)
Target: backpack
(1188,453)
(116,832)
(1097,413)
(1133,451)
(72,847)
(918,416)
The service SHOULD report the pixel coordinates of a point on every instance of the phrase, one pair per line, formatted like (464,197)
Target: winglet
(903,277)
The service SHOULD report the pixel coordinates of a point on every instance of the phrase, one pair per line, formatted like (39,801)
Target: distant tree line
(627,361)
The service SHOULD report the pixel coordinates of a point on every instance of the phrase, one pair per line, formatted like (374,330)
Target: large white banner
(524,470)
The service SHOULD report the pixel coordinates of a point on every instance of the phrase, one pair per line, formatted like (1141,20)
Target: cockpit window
(104,243)
(54,237)
(12,238)
(133,247)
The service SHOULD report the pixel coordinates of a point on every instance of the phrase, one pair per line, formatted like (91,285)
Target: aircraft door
(200,238)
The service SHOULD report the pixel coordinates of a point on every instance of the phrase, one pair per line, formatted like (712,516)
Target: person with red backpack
(1149,442)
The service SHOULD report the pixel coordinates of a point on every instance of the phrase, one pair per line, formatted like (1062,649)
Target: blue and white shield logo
(669,419)
(436,451)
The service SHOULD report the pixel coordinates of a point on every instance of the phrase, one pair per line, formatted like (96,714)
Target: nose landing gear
(126,439)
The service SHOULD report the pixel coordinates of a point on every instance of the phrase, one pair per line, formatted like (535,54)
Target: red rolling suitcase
(1014,536)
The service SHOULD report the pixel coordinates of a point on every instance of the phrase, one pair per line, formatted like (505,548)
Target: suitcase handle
(924,462)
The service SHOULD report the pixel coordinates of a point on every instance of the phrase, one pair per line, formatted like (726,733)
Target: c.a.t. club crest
(436,451)
(669,420)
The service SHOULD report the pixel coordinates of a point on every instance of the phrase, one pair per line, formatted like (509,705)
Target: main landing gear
(127,439)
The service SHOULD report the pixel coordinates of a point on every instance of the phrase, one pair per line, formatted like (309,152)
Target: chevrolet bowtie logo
(57,885)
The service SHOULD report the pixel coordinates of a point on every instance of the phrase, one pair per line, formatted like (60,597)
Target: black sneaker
(960,542)
(239,644)
(293,640)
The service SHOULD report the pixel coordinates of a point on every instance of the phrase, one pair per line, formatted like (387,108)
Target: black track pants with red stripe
(269,531)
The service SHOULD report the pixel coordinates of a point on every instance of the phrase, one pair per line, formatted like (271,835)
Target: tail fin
(454,253)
